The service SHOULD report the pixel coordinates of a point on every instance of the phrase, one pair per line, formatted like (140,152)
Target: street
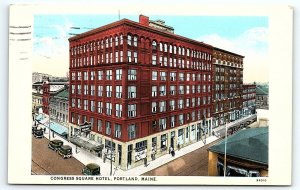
(47,162)
(192,164)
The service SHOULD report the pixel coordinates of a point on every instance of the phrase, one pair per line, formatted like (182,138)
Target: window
(100,107)
(121,56)
(135,58)
(131,91)
(92,75)
(172,121)
(109,75)
(193,102)
(78,103)
(163,75)
(180,103)
(188,77)
(135,41)
(108,91)
(181,89)
(172,90)
(180,119)
(100,91)
(129,58)
(73,76)
(162,124)
(118,110)
(86,90)
(165,48)
(131,74)
(85,75)
(108,128)
(92,106)
(163,142)
(108,108)
(100,75)
(131,131)
(172,105)
(99,125)
(154,75)
(162,90)
(119,74)
(92,90)
(116,41)
(187,103)
(160,47)
(85,104)
(153,107)
(116,57)
(154,59)
(162,106)
(121,39)
(73,89)
(129,40)
(165,61)
(154,45)
(193,89)
(73,103)
(181,77)
(154,91)
(118,131)
(118,91)
(187,89)
(173,76)
(131,110)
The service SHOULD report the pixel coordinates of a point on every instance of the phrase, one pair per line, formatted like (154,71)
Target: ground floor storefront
(127,155)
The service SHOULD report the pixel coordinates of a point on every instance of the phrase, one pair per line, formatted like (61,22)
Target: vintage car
(55,144)
(91,169)
(65,151)
(38,132)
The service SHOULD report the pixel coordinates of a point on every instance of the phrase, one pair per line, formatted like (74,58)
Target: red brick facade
(115,69)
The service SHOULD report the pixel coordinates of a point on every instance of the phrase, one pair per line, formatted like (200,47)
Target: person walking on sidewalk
(145,161)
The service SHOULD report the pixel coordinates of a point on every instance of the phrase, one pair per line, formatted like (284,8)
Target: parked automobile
(55,144)
(91,169)
(65,151)
(38,133)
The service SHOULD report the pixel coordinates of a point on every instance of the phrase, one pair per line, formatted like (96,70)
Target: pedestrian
(171,150)
(145,161)
(178,146)
(104,157)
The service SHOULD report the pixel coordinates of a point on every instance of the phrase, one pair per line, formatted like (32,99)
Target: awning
(85,143)
(59,129)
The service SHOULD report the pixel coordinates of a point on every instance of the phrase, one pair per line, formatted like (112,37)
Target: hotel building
(139,89)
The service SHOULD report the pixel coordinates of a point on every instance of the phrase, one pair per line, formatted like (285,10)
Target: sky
(244,35)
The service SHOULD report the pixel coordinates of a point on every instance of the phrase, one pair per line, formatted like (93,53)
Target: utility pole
(225,151)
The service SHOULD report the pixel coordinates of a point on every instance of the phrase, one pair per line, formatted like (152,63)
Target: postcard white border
(280,75)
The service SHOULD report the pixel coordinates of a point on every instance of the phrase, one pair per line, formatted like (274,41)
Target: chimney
(144,20)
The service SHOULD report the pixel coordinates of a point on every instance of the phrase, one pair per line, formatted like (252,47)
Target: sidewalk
(86,157)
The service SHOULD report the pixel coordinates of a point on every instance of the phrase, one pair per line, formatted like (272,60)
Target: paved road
(47,162)
(192,164)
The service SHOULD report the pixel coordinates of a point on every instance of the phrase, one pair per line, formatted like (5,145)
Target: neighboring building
(39,77)
(246,154)
(59,105)
(141,89)
(49,90)
(37,97)
(262,96)
(228,86)
(249,96)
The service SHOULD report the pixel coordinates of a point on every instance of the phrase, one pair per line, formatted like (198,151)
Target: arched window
(175,52)
(129,39)
(110,41)
(170,49)
(154,45)
(179,50)
(106,43)
(135,41)
(160,47)
(183,50)
(165,48)
(116,41)
(121,39)
(101,44)
(187,52)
